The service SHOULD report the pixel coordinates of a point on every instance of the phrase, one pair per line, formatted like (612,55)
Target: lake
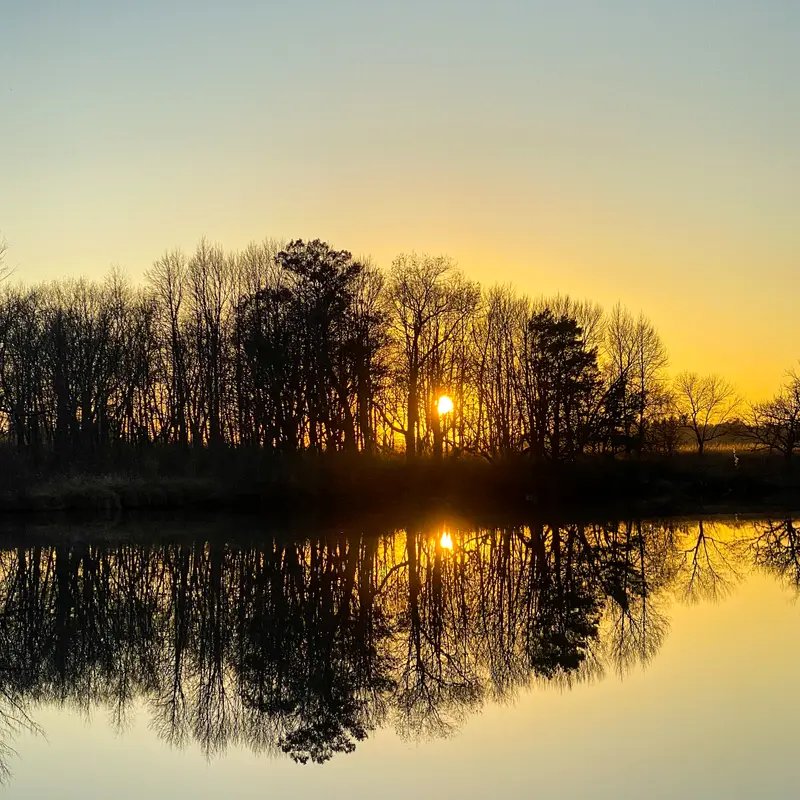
(436,659)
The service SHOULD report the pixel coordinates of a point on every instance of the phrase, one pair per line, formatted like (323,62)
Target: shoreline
(684,484)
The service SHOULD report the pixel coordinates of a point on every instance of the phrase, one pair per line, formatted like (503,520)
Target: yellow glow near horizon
(446,541)
(445,405)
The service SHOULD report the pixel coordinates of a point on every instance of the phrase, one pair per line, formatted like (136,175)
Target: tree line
(291,347)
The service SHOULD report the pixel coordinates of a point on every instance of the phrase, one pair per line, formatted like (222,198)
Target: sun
(446,541)
(445,405)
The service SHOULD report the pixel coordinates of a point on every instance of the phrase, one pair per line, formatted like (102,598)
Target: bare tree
(210,293)
(167,280)
(635,360)
(496,348)
(5,269)
(775,425)
(706,405)
(430,302)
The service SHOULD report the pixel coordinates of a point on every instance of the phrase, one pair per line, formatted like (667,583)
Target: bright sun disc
(445,405)
(446,541)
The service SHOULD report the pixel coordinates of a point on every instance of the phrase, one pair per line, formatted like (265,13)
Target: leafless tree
(706,405)
(635,360)
(775,424)
(430,303)
(496,350)
(167,281)
(5,269)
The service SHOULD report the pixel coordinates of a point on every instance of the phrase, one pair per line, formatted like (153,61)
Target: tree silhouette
(775,424)
(430,305)
(284,348)
(561,387)
(706,404)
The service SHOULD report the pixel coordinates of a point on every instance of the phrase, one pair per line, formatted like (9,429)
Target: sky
(641,152)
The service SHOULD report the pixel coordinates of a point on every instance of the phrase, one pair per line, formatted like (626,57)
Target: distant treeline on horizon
(300,347)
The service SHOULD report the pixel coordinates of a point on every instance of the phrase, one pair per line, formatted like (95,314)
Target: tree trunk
(413,416)
(438,439)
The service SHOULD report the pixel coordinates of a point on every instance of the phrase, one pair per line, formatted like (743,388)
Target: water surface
(632,659)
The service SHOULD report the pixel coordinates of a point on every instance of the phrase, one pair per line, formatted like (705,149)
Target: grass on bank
(164,478)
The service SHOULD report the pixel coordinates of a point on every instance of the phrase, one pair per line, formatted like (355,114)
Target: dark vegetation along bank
(340,486)
(290,374)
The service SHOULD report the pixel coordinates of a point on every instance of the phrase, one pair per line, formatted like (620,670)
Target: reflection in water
(304,647)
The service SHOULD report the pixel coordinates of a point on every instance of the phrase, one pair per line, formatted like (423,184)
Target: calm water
(642,659)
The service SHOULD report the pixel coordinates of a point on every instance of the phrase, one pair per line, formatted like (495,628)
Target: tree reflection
(775,547)
(303,647)
(709,562)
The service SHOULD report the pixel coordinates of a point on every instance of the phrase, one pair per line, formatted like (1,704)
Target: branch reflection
(305,647)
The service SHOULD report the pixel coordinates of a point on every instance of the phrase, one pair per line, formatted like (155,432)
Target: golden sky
(641,152)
